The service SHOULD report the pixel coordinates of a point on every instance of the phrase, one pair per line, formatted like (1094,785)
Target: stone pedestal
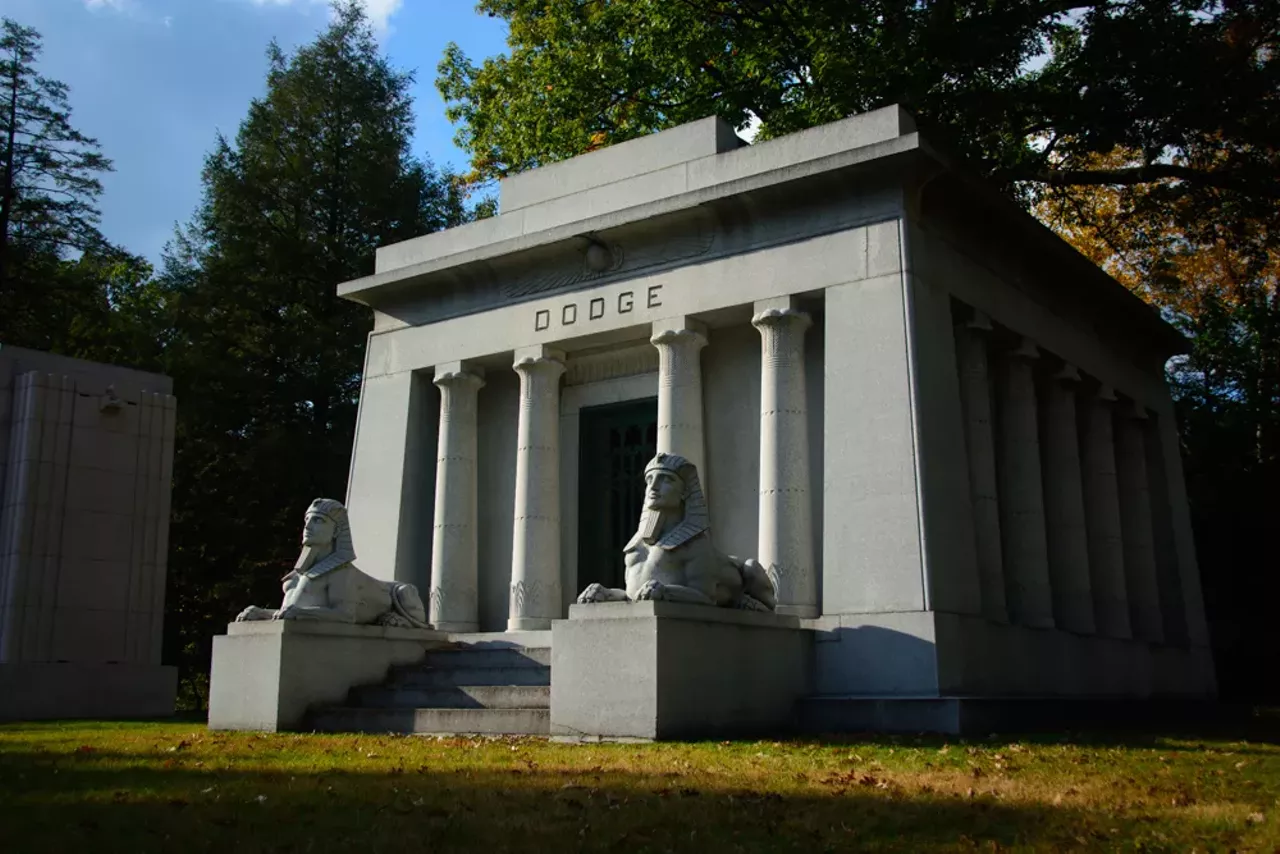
(1067,534)
(975,399)
(454,598)
(680,424)
(535,557)
(1026,553)
(267,674)
(786,513)
(658,670)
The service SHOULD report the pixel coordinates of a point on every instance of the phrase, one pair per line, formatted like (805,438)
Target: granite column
(786,516)
(1065,526)
(680,426)
(1022,524)
(972,340)
(1102,516)
(454,599)
(535,553)
(1141,578)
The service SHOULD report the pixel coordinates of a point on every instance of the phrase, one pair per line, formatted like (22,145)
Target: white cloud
(380,11)
(113,5)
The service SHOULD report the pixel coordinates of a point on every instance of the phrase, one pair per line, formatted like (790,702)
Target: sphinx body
(326,585)
(671,557)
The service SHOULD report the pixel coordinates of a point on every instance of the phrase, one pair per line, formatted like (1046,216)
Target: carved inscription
(597,307)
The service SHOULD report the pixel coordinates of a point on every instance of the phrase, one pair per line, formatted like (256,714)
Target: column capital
(774,316)
(539,356)
(1133,410)
(979,322)
(458,374)
(1026,349)
(1067,374)
(679,330)
(1106,393)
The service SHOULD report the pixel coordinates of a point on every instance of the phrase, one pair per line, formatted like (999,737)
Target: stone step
(481,721)
(474,658)
(497,640)
(417,676)
(459,697)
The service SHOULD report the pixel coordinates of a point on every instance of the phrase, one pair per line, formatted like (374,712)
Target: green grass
(99,787)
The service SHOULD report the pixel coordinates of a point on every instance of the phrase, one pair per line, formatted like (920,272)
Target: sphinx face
(664,491)
(318,530)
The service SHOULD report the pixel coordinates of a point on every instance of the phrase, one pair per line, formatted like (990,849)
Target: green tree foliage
(49,173)
(1029,91)
(265,357)
(57,273)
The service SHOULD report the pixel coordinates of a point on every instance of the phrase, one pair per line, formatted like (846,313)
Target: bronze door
(614,443)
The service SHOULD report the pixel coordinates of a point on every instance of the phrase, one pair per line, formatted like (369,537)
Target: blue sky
(155,80)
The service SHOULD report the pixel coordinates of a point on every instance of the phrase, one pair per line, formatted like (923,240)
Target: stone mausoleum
(86,461)
(945,433)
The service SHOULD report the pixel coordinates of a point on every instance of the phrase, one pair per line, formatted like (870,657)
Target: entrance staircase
(482,683)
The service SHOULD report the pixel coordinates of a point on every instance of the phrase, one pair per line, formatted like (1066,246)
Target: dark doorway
(614,443)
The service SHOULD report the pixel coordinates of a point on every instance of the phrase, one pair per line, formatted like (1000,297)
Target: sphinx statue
(671,557)
(324,584)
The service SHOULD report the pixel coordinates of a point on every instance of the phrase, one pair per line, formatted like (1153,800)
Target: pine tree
(48,173)
(265,357)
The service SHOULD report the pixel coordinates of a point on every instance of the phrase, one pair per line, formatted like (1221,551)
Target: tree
(48,172)
(266,359)
(1028,91)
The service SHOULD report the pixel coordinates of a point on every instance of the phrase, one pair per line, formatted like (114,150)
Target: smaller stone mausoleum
(86,463)
(948,431)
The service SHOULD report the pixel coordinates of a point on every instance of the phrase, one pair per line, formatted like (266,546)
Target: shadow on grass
(103,801)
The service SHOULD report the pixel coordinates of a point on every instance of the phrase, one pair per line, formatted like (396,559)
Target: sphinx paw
(594,593)
(652,591)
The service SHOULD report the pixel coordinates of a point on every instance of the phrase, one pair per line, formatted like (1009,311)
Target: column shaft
(1135,522)
(1022,525)
(786,514)
(1066,529)
(1102,517)
(454,600)
(680,431)
(975,400)
(535,552)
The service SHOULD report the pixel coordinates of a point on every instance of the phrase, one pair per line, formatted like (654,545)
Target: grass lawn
(98,787)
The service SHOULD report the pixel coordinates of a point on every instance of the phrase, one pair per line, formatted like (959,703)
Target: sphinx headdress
(696,519)
(344,551)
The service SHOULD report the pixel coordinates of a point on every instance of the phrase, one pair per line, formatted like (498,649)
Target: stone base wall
(43,691)
(931,654)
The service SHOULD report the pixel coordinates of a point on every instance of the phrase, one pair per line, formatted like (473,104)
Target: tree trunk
(6,182)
